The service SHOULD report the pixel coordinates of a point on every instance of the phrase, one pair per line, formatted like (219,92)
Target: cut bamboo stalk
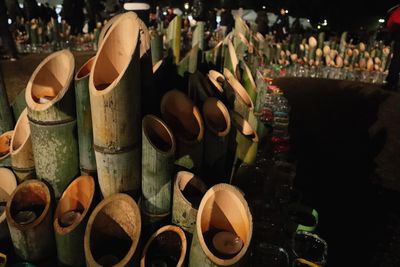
(50,102)
(5,148)
(249,83)
(22,159)
(214,55)
(70,220)
(8,183)
(186,122)
(29,217)
(84,120)
(189,62)
(115,97)
(167,245)
(224,228)
(174,38)
(6,117)
(112,232)
(188,192)
(231,61)
(199,88)
(19,104)
(218,126)
(106,29)
(156,46)
(198,35)
(158,152)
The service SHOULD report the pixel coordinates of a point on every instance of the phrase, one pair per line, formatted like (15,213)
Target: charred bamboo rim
(52,79)
(239,90)
(22,133)
(78,195)
(217,79)
(4,196)
(5,144)
(157,66)
(122,210)
(182,180)
(216,116)
(84,71)
(115,54)
(166,228)
(224,207)
(28,193)
(158,134)
(8,182)
(250,76)
(182,116)
(244,127)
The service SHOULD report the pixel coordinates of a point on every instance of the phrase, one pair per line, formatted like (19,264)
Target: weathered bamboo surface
(5,147)
(8,183)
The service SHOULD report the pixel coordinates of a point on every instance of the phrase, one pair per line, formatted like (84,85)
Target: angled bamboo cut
(198,35)
(87,160)
(156,46)
(70,219)
(115,97)
(248,82)
(50,102)
(112,233)
(189,62)
(5,148)
(214,55)
(173,35)
(6,116)
(231,61)
(106,29)
(8,183)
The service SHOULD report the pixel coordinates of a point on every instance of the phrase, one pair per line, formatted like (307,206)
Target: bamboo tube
(106,29)
(158,151)
(112,232)
(70,220)
(199,88)
(19,104)
(84,119)
(214,55)
(218,126)
(5,147)
(8,183)
(174,38)
(6,118)
(115,97)
(224,228)
(231,61)
(22,159)
(248,82)
(217,80)
(29,218)
(167,245)
(189,62)
(198,35)
(186,122)
(156,47)
(188,192)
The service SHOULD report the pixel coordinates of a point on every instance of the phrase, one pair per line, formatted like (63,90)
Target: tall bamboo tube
(70,220)
(198,35)
(29,218)
(5,147)
(19,104)
(6,117)
(223,220)
(189,62)
(8,183)
(115,95)
(158,153)
(231,61)
(156,46)
(106,29)
(112,233)
(22,159)
(188,192)
(84,119)
(167,245)
(174,38)
(50,101)
(214,55)
(249,83)
(216,139)
(186,122)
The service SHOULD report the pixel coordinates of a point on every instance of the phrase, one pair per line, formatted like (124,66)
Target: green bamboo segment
(112,233)
(186,122)
(5,149)
(6,117)
(8,183)
(224,228)
(214,55)
(198,35)
(115,97)
(22,159)
(29,217)
(19,104)
(174,38)
(188,192)
(189,62)
(158,153)
(84,119)
(70,220)
(156,47)
(249,83)
(231,61)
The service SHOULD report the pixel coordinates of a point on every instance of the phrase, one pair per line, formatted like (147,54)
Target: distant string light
(264,7)
(325,23)
(381,20)
(286,11)
(186,6)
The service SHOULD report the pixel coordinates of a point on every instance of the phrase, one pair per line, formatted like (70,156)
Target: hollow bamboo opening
(216,116)
(191,187)
(239,90)
(78,198)
(84,71)
(217,79)
(244,127)
(5,144)
(22,133)
(158,134)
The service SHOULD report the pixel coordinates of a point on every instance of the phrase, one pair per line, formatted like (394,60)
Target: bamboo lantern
(6,118)
(115,97)
(224,228)
(188,192)
(174,38)
(29,219)
(22,160)
(5,148)
(249,83)
(218,127)
(8,183)
(84,119)
(166,247)
(158,153)
(112,233)
(70,220)
(186,122)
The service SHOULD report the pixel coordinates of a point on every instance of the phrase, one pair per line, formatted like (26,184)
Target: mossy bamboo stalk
(33,239)
(6,117)
(5,148)
(188,191)
(174,38)
(50,102)
(115,97)
(8,183)
(222,208)
(78,197)
(87,158)
(112,233)
(198,35)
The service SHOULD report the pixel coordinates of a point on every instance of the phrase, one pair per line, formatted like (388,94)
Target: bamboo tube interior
(116,51)
(158,134)
(216,116)
(217,79)
(191,187)
(244,127)
(22,132)
(5,143)
(8,181)
(84,71)
(239,90)
(182,116)
(76,199)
